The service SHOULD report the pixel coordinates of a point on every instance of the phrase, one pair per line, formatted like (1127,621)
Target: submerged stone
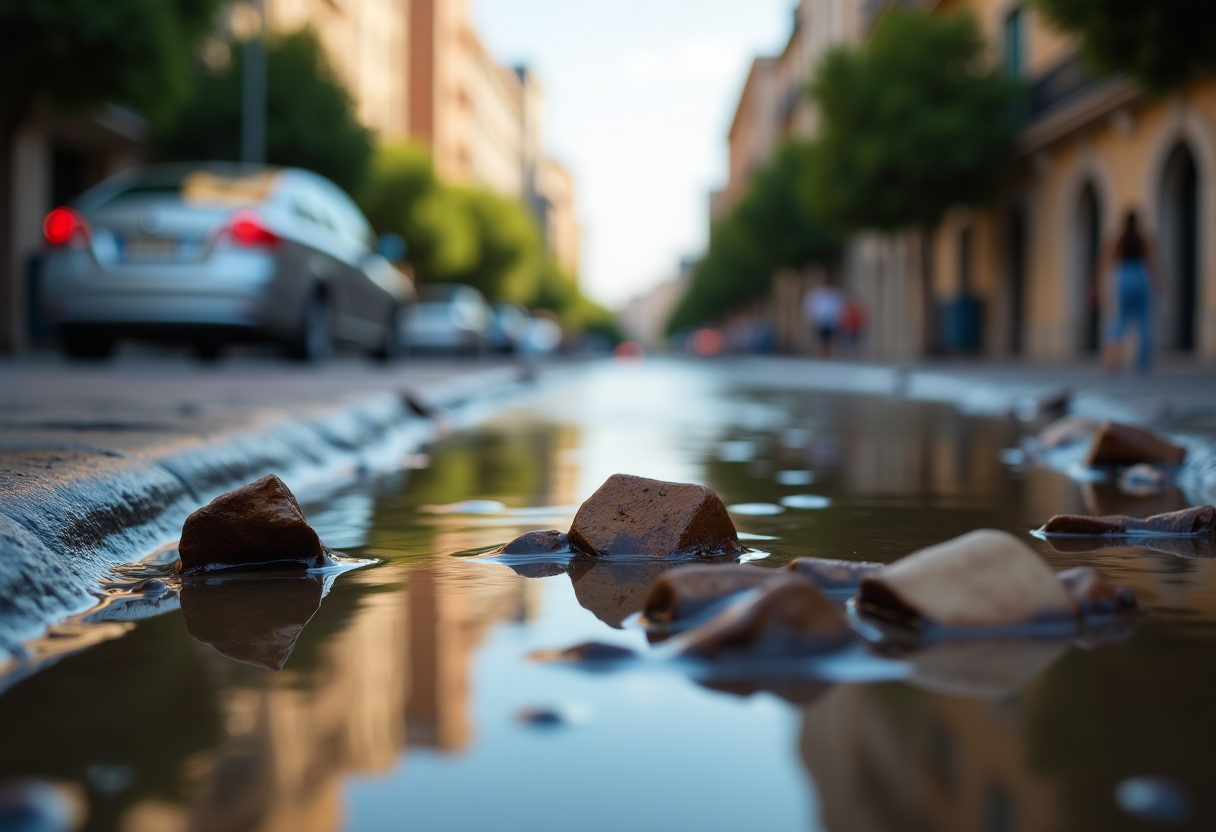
(834,575)
(983,579)
(256,524)
(683,593)
(1191,522)
(1096,596)
(588,651)
(1119,444)
(631,515)
(539,542)
(788,618)
(1182,547)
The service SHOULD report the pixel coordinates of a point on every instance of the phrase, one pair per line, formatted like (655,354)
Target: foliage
(79,54)
(911,124)
(473,236)
(1163,45)
(310,118)
(774,226)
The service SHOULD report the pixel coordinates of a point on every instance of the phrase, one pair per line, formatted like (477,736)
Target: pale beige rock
(983,579)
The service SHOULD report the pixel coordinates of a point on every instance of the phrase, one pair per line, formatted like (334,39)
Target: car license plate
(137,249)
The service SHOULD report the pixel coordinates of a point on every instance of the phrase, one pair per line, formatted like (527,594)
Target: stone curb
(70,512)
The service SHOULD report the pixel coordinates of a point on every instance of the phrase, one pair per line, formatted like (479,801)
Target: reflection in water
(397,702)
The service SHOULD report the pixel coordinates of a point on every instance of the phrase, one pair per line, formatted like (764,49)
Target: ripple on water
(755,509)
(808,501)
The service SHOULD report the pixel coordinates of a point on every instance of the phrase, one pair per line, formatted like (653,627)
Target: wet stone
(1096,596)
(1195,521)
(983,579)
(539,542)
(589,651)
(257,524)
(684,593)
(1119,444)
(788,618)
(1066,431)
(834,575)
(636,516)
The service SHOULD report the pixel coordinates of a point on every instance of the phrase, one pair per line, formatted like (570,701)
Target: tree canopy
(912,123)
(1163,44)
(473,236)
(310,117)
(80,54)
(774,226)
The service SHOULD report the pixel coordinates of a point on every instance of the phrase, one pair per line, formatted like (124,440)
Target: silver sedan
(211,253)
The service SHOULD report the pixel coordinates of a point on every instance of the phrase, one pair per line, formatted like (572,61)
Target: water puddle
(406,693)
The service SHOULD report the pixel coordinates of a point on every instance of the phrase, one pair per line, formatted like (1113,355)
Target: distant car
(210,253)
(509,328)
(450,316)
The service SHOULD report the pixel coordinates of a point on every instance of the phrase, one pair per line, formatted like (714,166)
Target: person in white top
(823,309)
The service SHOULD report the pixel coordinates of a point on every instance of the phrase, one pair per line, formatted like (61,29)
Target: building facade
(1089,151)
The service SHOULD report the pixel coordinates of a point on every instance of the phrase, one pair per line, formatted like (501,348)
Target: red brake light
(63,226)
(247,229)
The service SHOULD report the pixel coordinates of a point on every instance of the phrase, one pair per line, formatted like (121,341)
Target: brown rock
(631,515)
(257,524)
(540,542)
(1190,522)
(834,575)
(1118,444)
(983,579)
(789,617)
(252,619)
(1094,595)
(683,593)
(1182,547)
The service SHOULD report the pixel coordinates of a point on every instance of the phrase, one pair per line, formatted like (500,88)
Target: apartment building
(1089,151)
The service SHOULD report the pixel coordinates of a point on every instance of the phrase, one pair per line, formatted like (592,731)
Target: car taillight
(65,227)
(247,229)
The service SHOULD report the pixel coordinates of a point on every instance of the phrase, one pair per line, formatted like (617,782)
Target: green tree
(774,226)
(310,118)
(509,247)
(76,56)
(1163,45)
(403,196)
(913,123)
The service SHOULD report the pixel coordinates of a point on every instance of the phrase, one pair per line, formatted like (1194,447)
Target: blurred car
(210,253)
(544,337)
(509,328)
(450,316)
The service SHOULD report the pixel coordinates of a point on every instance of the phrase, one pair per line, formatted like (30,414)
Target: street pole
(253,93)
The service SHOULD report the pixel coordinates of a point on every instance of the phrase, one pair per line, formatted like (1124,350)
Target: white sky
(638,98)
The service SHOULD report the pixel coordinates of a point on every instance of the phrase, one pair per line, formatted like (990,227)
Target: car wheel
(396,335)
(85,344)
(314,340)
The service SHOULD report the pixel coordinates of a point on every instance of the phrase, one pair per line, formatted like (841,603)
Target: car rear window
(202,186)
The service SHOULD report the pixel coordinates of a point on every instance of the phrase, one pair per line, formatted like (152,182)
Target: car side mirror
(391,247)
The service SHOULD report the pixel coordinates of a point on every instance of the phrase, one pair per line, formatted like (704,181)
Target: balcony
(1059,87)
(1066,97)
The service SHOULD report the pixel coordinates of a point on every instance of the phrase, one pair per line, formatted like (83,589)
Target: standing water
(402,695)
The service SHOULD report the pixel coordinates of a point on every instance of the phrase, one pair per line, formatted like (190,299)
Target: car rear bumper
(113,309)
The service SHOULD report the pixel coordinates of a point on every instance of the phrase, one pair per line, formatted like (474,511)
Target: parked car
(509,328)
(450,316)
(210,253)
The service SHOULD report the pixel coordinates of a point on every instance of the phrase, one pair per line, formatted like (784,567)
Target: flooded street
(401,695)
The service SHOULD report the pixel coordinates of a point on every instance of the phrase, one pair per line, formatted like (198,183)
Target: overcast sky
(639,95)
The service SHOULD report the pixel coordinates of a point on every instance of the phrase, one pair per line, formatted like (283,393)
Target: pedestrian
(852,324)
(823,309)
(1132,260)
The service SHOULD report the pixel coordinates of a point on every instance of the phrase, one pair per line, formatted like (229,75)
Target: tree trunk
(12,278)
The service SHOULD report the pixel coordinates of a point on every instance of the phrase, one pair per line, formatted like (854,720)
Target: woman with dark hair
(1133,262)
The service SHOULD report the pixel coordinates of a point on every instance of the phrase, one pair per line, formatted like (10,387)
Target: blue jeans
(1135,307)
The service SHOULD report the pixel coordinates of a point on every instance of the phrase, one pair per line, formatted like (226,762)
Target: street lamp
(253,91)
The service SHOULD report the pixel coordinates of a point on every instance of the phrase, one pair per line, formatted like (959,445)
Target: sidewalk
(100,464)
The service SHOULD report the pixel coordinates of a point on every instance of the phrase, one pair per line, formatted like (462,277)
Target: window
(1015,42)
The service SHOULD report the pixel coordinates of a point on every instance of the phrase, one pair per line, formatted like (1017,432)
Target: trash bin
(961,324)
